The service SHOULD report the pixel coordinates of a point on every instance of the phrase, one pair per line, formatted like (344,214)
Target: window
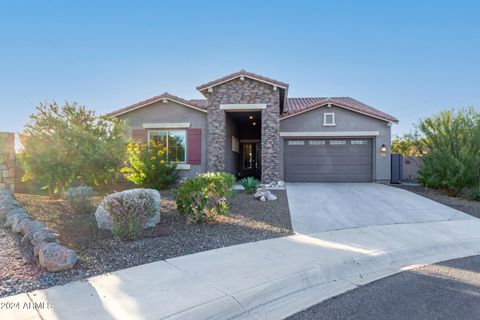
(316,142)
(235,145)
(337,142)
(174,141)
(359,141)
(296,142)
(247,156)
(328,119)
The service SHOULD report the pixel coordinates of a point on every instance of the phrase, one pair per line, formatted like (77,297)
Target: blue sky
(407,58)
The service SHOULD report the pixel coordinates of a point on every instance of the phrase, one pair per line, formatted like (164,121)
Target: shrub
(450,150)
(64,145)
(130,210)
(473,193)
(148,167)
(205,196)
(250,184)
(80,198)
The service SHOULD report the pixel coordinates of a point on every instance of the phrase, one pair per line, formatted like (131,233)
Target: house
(248,126)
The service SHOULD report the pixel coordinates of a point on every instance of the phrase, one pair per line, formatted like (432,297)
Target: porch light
(383,150)
(254,123)
(250,117)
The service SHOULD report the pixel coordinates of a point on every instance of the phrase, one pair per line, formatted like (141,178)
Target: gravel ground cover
(249,220)
(468,206)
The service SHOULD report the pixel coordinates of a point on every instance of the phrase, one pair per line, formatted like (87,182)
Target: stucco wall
(167,113)
(7,161)
(244,92)
(345,120)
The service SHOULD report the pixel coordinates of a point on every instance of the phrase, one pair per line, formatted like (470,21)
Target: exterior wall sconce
(383,150)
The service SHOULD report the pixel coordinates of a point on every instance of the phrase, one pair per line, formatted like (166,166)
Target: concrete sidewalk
(269,279)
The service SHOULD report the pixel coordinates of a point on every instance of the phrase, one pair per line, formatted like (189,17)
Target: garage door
(328,160)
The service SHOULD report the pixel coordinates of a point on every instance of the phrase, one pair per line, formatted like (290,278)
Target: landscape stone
(55,257)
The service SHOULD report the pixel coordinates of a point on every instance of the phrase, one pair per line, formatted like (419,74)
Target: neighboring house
(248,126)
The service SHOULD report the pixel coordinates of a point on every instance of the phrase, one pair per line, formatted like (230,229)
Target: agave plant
(250,184)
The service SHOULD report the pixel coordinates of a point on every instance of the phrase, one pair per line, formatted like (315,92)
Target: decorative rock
(264,195)
(29,236)
(19,222)
(275,185)
(55,257)
(104,220)
(43,236)
(14,214)
(28,226)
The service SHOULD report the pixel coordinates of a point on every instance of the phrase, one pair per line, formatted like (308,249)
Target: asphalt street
(446,290)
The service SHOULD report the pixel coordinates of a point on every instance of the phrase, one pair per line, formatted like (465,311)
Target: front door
(251,160)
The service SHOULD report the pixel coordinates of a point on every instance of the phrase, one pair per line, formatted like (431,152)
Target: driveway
(319,207)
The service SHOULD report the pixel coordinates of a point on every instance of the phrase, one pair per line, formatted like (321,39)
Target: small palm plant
(250,184)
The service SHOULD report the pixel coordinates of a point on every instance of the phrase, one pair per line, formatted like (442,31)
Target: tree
(406,146)
(70,145)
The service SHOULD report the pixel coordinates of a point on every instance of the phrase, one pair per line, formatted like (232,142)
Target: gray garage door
(328,160)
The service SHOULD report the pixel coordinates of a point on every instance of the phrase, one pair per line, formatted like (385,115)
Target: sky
(410,59)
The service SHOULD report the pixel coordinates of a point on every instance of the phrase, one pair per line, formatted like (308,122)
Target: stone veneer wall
(7,161)
(246,91)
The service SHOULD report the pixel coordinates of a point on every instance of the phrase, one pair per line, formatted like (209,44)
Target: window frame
(168,133)
(325,116)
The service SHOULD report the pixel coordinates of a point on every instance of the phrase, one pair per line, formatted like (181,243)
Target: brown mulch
(249,220)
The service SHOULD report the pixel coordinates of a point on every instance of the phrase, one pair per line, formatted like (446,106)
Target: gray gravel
(468,206)
(447,290)
(249,220)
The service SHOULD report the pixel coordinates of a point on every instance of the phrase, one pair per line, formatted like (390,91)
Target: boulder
(19,222)
(28,226)
(264,195)
(13,214)
(55,257)
(30,235)
(43,236)
(104,219)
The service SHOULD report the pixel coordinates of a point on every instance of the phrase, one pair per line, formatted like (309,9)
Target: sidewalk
(269,279)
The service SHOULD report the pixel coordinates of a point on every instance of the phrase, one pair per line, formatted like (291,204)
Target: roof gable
(296,106)
(194,104)
(246,74)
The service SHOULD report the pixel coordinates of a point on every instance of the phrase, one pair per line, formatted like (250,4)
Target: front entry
(328,159)
(251,158)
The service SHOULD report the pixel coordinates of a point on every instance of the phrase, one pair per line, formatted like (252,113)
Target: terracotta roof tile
(238,74)
(192,103)
(298,105)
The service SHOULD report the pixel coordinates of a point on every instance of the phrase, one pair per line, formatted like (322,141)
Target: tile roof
(299,105)
(239,74)
(196,104)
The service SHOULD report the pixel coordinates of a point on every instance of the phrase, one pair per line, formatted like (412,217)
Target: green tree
(70,145)
(149,166)
(406,145)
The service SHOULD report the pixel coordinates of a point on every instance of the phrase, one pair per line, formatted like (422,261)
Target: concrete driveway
(319,207)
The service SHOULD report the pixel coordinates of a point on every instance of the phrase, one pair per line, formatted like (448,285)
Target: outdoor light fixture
(254,123)
(251,117)
(383,150)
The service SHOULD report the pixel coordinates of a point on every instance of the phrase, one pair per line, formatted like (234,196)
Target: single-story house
(248,126)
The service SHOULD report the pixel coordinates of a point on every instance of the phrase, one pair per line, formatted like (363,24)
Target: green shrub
(473,193)
(450,148)
(250,184)
(130,210)
(148,167)
(69,144)
(205,196)
(80,198)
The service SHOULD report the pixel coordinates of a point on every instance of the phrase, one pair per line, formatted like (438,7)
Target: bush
(473,193)
(148,167)
(450,148)
(68,145)
(205,196)
(250,184)
(80,198)
(130,210)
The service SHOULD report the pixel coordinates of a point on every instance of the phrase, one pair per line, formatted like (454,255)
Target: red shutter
(194,146)
(139,135)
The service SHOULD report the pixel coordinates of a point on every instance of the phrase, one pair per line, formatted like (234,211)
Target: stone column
(271,142)
(216,137)
(7,161)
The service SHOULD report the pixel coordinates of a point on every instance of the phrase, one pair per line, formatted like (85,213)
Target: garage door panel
(324,160)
